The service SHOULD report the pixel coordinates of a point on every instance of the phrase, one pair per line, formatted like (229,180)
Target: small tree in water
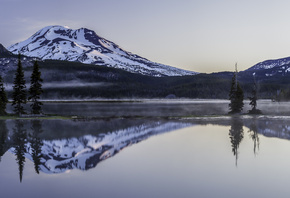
(3,98)
(19,90)
(35,89)
(236,96)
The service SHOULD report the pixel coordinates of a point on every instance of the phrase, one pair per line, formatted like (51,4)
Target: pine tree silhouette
(35,89)
(236,96)
(19,90)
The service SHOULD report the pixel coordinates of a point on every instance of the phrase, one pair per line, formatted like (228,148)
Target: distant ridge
(269,64)
(85,46)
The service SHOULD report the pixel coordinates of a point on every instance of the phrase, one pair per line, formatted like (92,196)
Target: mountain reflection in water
(56,146)
(52,152)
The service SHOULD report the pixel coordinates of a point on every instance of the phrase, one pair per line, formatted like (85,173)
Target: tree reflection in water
(19,140)
(236,134)
(253,130)
(3,137)
(22,139)
(36,143)
(36,139)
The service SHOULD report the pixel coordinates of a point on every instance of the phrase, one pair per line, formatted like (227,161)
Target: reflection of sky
(191,162)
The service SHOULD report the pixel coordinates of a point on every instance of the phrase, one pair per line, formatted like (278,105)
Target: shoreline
(145,100)
(169,118)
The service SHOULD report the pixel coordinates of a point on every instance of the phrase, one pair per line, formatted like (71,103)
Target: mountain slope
(270,64)
(8,60)
(4,53)
(270,68)
(85,46)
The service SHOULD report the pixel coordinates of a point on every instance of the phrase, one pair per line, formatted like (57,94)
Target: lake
(178,148)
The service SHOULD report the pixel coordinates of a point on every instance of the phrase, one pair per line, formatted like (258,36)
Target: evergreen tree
(253,101)
(240,98)
(3,98)
(35,89)
(19,89)
(236,96)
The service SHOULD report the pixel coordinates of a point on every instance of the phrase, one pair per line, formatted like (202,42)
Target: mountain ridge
(4,52)
(270,64)
(85,46)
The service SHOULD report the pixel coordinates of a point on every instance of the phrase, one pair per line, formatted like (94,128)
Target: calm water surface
(148,156)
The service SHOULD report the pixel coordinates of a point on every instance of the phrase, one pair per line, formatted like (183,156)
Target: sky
(197,35)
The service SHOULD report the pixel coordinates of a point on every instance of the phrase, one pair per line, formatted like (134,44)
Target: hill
(85,46)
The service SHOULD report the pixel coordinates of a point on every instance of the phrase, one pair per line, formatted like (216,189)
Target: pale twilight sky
(197,35)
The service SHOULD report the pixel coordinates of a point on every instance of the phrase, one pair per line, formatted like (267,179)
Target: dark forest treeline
(105,82)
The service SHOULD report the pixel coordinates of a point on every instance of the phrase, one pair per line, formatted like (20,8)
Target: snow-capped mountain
(84,45)
(269,64)
(268,68)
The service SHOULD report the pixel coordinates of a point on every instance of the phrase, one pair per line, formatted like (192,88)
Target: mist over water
(153,108)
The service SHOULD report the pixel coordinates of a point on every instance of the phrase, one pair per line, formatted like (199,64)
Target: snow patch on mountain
(269,64)
(84,45)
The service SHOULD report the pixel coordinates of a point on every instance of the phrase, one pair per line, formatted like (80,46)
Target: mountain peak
(84,45)
(2,49)
(4,52)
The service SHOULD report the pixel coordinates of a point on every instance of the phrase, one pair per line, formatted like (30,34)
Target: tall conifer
(35,89)
(19,90)
(236,96)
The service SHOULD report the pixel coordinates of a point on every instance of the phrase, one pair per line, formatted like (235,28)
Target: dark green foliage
(35,89)
(282,95)
(236,97)
(3,98)
(117,83)
(19,90)
(268,85)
